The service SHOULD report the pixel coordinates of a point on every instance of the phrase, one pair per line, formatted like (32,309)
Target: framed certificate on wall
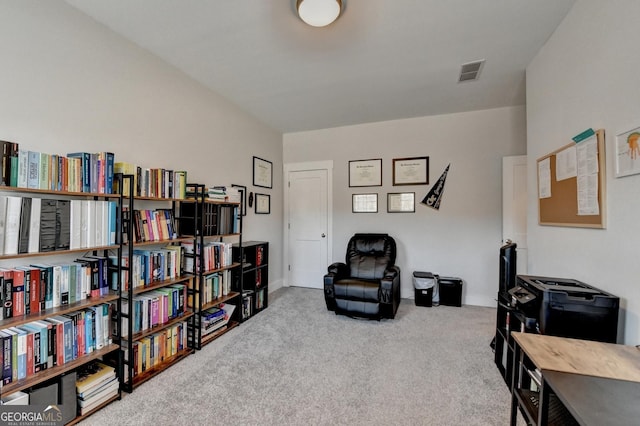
(365,172)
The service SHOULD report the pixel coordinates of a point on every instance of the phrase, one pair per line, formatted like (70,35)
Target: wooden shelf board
(213,336)
(57,370)
(52,192)
(58,252)
(219,300)
(159,284)
(184,317)
(23,319)
(154,371)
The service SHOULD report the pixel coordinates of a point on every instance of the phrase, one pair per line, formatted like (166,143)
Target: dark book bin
(450,289)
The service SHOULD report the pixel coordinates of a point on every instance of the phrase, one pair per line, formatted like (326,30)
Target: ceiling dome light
(319,13)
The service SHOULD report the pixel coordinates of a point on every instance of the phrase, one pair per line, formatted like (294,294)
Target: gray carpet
(297,363)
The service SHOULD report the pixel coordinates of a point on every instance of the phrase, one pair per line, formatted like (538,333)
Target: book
(92,264)
(25,223)
(75,224)
(7,346)
(3,215)
(33,176)
(23,168)
(21,352)
(63,230)
(46,285)
(18,293)
(92,375)
(12,224)
(85,177)
(5,163)
(48,225)
(7,292)
(34,232)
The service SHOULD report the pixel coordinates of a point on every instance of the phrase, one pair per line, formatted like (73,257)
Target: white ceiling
(381,60)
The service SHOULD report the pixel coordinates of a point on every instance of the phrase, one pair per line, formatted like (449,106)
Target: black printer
(566,307)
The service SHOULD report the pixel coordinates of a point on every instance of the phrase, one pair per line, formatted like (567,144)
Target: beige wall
(462,238)
(587,76)
(69,84)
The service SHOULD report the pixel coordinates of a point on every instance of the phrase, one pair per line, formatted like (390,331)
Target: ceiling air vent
(470,71)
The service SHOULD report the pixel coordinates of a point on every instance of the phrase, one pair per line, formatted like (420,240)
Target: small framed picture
(262,173)
(411,171)
(628,153)
(401,202)
(364,203)
(262,203)
(365,172)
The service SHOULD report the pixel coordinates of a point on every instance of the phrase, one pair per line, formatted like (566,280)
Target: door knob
(323,235)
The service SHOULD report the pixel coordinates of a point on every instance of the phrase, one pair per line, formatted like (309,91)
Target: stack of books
(216,318)
(96,384)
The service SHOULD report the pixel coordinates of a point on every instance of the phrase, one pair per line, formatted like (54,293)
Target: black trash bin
(425,285)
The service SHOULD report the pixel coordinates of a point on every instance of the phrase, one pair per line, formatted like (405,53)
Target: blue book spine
(86,169)
(108,173)
(89,331)
(112,222)
(68,340)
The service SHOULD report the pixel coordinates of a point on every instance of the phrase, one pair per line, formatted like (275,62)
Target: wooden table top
(598,359)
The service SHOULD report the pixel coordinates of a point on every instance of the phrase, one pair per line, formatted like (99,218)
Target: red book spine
(18,293)
(30,360)
(34,301)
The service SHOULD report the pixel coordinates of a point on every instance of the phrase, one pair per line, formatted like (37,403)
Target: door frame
(301,167)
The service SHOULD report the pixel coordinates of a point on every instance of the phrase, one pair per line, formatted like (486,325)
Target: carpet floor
(296,363)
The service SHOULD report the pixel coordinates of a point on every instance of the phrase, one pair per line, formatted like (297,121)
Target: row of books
(154,182)
(96,383)
(216,255)
(36,346)
(216,219)
(153,350)
(26,290)
(260,299)
(75,172)
(84,172)
(32,225)
(247,303)
(215,318)
(154,308)
(215,285)
(154,225)
(150,266)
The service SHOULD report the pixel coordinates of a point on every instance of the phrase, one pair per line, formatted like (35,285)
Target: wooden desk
(585,357)
(575,372)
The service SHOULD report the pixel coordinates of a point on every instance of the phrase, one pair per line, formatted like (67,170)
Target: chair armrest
(390,286)
(337,271)
(391,273)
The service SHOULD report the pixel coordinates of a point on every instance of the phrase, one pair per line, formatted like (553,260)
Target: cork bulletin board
(571,184)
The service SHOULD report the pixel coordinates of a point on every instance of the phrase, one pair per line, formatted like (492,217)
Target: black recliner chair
(368,284)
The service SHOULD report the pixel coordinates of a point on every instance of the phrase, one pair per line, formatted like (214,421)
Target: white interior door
(308,218)
(514,206)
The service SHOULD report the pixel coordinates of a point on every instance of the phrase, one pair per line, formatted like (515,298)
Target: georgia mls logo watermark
(30,415)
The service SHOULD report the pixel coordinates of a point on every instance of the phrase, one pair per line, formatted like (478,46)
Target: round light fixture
(319,13)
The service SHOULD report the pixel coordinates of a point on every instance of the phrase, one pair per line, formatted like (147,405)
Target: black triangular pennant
(433,197)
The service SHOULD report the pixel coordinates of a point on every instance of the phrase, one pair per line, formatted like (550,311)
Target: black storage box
(450,291)
(424,297)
